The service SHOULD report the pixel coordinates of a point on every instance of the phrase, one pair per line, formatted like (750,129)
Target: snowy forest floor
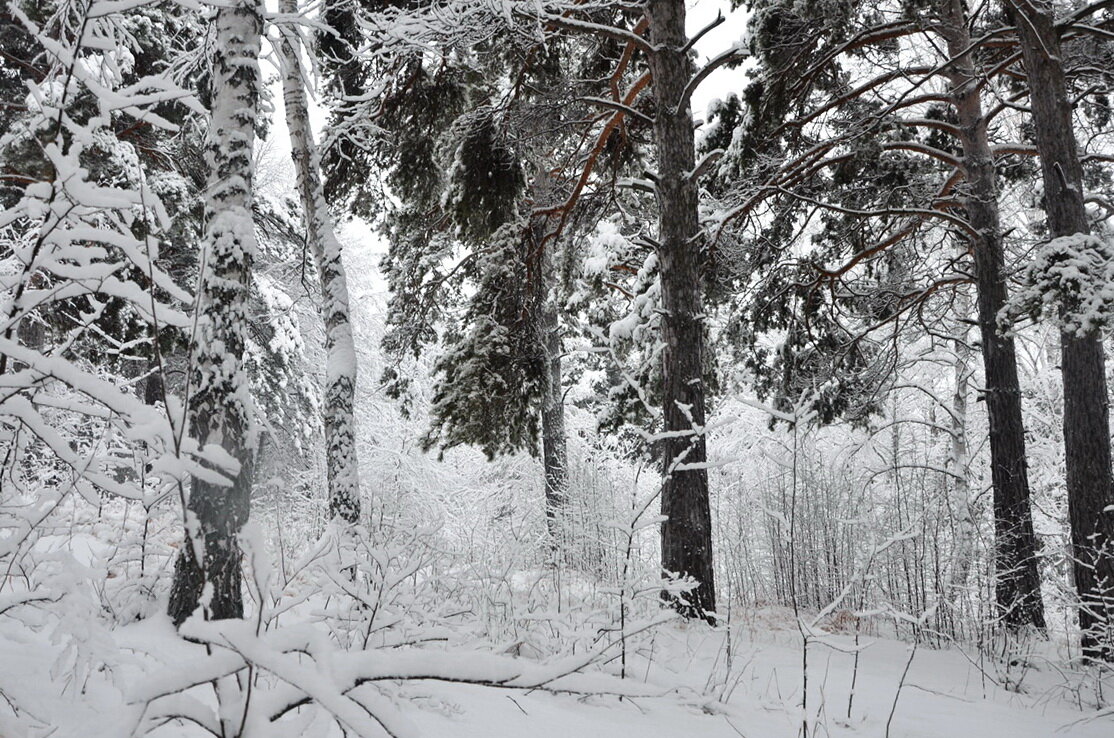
(689,688)
(944,696)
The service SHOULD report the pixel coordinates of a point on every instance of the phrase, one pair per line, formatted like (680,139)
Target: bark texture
(341,367)
(686,539)
(219,402)
(1082,360)
(554,442)
(1017,583)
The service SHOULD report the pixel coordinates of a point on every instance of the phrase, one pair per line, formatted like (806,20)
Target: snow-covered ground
(684,680)
(944,696)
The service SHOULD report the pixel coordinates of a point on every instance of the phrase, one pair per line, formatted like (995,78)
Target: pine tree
(902,160)
(1090,486)
(456,164)
(686,538)
(1017,586)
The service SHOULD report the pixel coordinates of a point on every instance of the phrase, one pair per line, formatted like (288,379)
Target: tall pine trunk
(1017,586)
(1082,360)
(686,536)
(554,441)
(340,348)
(219,399)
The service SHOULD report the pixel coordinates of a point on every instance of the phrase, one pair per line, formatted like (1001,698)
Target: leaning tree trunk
(1017,586)
(1082,361)
(340,348)
(219,412)
(686,534)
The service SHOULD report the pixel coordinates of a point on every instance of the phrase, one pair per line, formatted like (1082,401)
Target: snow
(683,682)
(371,635)
(942,697)
(1070,281)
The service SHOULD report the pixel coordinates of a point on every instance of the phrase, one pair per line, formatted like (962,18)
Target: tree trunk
(686,537)
(554,444)
(1082,361)
(340,348)
(1017,586)
(219,397)
(959,567)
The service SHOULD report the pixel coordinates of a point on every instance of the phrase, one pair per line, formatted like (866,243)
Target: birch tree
(340,370)
(207,572)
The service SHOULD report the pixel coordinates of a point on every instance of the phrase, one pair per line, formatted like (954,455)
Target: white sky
(722,82)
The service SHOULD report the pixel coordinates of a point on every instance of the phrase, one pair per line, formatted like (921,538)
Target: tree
(340,370)
(83,198)
(1017,586)
(219,405)
(902,156)
(686,534)
(465,217)
(1090,486)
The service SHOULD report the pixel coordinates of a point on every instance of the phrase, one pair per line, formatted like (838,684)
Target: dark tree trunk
(686,536)
(1017,586)
(30,332)
(153,391)
(1082,361)
(218,410)
(554,444)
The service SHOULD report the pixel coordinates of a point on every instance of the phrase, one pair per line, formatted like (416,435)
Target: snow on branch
(1069,282)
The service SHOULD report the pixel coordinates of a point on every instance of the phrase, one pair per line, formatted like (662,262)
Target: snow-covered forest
(556,368)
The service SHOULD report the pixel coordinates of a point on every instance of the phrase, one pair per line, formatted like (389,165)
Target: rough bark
(1017,584)
(219,412)
(686,545)
(554,442)
(341,366)
(1082,360)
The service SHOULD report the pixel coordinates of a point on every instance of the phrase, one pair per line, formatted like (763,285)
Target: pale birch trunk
(340,373)
(219,400)
(960,458)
